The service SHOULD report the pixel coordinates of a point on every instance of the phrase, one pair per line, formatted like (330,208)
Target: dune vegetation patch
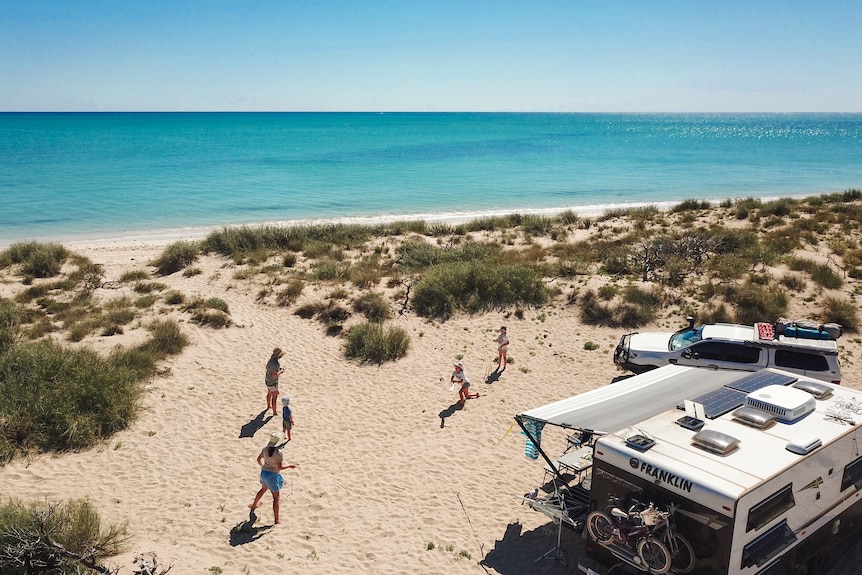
(67,537)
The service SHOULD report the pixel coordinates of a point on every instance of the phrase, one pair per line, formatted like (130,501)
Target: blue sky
(565,56)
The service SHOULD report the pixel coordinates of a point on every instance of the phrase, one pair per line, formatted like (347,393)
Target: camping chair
(582,439)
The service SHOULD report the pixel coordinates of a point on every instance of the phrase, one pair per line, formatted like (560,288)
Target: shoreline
(167,235)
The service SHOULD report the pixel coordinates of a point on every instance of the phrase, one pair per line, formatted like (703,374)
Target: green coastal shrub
(39,260)
(134,276)
(474,287)
(780,207)
(212,317)
(201,304)
(689,205)
(373,306)
(176,256)
(418,255)
(620,314)
(11,317)
(236,242)
(290,293)
(56,399)
(329,269)
(371,342)
(333,314)
(56,538)
(755,303)
(794,282)
(144,287)
(825,277)
(367,272)
(166,339)
(841,311)
(309,310)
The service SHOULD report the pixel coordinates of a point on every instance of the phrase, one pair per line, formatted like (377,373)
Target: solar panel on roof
(760,379)
(720,401)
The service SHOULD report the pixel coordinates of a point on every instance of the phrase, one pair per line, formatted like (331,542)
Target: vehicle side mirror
(686,354)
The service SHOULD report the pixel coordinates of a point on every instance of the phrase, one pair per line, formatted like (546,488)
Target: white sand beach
(392,475)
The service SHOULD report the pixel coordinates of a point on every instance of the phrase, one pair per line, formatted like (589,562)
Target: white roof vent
(803,445)
(753,417)
(786,403)
(715,441)
(818,390)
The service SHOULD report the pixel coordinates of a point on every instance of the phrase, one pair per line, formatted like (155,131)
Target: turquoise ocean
(100,176)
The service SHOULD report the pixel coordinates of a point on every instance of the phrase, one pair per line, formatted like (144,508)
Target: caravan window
(852,475)
(770,508)
(768,545)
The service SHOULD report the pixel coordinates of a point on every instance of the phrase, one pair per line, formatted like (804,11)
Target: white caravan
(764,469)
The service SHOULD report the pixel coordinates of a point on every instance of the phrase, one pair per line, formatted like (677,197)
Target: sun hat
(277,353)
(285,400)
(275,438)
(459,364)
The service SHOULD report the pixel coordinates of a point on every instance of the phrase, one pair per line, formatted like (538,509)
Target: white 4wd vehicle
(806,351)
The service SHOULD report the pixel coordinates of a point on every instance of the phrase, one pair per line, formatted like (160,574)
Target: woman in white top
(459,377)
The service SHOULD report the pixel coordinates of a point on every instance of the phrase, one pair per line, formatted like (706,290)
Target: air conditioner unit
(787,404)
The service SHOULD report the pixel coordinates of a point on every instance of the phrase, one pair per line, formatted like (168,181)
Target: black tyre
(600,528)
(655,555)
(683,556)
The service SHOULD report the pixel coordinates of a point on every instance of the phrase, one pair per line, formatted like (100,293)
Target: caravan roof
(611,407)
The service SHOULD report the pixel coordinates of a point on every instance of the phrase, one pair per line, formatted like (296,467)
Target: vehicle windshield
(685,338)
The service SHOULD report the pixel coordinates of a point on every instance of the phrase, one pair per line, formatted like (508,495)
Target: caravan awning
(612,407)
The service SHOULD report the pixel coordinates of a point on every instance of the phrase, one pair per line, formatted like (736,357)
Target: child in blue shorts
(286,416)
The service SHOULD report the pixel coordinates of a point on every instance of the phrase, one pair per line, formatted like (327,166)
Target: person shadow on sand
(457,406)
(250,428)
(245,531)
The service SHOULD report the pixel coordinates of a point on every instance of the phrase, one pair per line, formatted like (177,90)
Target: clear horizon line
(666,112)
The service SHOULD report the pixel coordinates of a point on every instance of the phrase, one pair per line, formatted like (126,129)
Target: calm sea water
(105,175)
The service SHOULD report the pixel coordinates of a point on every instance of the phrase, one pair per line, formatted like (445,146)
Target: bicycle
(630,531)
(646,530)
(681,551)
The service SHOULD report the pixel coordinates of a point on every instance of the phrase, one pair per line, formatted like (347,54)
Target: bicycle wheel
(683,555)
(600,527)
(654,554)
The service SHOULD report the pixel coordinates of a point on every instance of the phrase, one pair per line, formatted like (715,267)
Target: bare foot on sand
(254,506)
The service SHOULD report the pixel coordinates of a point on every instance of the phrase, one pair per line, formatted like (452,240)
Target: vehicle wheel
(683,557)
(655,555)
(600,528)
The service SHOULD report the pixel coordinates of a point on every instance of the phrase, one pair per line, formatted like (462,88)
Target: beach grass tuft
(176,256)
(56,398)
(372,342)
(67,537)
(474,287)
(290,293)
(37,259)
(373,306)
(841,311)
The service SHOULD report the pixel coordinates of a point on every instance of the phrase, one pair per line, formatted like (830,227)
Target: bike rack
(628,555)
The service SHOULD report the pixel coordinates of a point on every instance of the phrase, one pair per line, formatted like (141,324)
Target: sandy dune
(388,464)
